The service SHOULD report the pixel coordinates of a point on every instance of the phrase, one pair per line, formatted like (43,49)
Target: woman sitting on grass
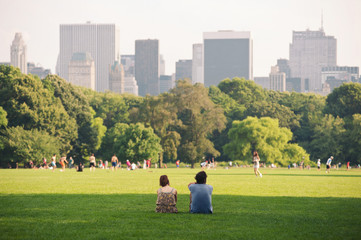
(167,197)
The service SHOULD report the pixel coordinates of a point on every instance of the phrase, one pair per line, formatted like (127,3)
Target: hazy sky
(179,24)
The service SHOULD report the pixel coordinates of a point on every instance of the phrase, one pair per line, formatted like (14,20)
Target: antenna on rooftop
(321,20)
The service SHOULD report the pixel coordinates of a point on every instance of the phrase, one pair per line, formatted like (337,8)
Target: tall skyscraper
(100,40)
(183,69)
(309,52)
(82,70)
(116,78)
(197,63)
(18,53)
(227,54)
(277,79)
(147,66)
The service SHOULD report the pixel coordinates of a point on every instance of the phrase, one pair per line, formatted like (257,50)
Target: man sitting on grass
(201,195)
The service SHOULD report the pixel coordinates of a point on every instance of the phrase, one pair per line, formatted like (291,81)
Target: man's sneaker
(260,174)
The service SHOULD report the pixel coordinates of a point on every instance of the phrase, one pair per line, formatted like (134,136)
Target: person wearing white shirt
(328,164)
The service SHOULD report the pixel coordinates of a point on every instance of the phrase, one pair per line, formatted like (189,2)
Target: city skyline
(161,20)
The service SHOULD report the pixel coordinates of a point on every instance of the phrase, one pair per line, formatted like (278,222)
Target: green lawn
(284,204)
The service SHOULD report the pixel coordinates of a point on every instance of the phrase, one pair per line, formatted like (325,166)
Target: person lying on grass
(167,197)
(201,195)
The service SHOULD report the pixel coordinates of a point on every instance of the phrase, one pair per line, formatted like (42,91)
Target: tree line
(41,117)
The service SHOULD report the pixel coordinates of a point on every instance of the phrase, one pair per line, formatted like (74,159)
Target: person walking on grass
(256,164)
(45,165)
(318,164)
(328,164)
(71,163)
(53,162)
(92,162)
(62,162)
(201,195)
(114,163)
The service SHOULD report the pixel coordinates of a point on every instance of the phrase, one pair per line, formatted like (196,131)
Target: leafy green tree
(97,124)
(344,101)
(3,119)
(111,107)
(242,90)
(159,112)
(265,136)
(25,145)
(200,117)
(30,105)
(353,140)
(232,110)
(77,106)
(286,117)
(328,138)
(3,123)
(309,110)
(170,143)
(134,142)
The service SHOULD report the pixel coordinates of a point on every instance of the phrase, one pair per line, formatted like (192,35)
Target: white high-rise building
(82,70)
(100,40)
(18,53)
(309,52)
(277,79)
(227,54)
(130,85)
(197,63)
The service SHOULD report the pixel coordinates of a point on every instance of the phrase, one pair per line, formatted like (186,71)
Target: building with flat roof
(101,41)
(348,74)
(165,83)
(147,66)
(283,66)
(263,82)
(183,69)
(82,70)
(197,64)
(309,52)
(227,54)
(277,79)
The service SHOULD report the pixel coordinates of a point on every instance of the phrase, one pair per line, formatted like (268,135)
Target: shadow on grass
(132,216)
(295,174)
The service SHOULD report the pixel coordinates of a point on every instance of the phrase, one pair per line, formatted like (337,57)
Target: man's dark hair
(201,177)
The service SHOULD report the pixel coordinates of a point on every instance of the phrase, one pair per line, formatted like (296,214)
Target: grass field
(284,204)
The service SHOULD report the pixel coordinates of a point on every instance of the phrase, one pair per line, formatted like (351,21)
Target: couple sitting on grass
(200,196)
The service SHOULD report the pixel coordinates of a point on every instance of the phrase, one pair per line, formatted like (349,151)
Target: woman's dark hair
(255,154)
(163,180)
(201,177)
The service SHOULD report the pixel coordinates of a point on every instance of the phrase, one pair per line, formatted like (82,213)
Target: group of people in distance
(52,164)
(200,195)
